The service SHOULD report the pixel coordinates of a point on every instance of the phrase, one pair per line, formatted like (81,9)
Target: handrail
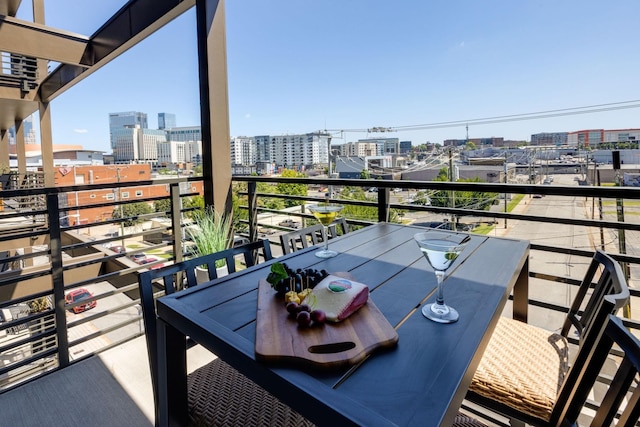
(118,270)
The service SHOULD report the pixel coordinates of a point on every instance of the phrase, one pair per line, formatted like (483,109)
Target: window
(124,195)
(109,196)
(138,193)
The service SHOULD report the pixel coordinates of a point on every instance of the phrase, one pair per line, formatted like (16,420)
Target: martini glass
(440,250)
(326,213)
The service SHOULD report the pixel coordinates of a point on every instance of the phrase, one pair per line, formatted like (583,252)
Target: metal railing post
(383,204)
(57,278)
(176,221)
(252,204)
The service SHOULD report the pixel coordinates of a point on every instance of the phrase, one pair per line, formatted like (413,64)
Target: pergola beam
(39,41)
(134,22)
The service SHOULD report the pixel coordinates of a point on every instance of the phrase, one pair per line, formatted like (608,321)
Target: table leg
(521,294)
(172,377)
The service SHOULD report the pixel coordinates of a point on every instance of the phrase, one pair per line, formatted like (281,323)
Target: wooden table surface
(422,381)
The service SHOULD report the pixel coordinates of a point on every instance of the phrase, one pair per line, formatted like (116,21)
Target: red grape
(304,307)
(318,316)
(292,307)
(304,318)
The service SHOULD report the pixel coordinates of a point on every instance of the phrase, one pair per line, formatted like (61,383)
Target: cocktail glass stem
(326,239)
(440,291)
(439,311)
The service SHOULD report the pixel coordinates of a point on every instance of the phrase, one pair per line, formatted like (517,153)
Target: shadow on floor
(85,394)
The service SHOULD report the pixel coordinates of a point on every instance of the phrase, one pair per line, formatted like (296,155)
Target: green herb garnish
(277,274)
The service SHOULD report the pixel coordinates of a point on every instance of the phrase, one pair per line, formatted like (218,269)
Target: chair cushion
(523,367)
(218,395)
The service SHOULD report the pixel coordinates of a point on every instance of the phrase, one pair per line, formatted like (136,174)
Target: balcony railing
(65,246)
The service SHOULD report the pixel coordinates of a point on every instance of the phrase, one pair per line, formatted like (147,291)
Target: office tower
(166,121)
(130,119)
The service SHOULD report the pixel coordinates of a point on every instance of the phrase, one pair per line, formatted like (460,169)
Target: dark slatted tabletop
(422,381)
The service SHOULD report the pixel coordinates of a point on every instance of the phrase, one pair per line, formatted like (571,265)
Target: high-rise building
(27,128)
(385,145)
(126,119)
(405,147)
(166,121)
(137,144)
(171,152)
(298,151)
(243,151)
(185,134)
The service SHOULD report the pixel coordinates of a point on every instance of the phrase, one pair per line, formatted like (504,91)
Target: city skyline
(297,68)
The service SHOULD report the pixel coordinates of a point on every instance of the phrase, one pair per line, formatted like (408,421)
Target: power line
(597,108)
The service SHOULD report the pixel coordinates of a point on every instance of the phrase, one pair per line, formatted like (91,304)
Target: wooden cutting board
(328,346)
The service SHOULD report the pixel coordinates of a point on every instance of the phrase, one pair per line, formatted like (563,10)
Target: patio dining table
(420,381)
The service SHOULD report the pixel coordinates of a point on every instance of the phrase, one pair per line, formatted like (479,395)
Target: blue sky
(298,66)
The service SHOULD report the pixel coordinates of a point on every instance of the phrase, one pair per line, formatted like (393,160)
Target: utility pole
(506,180)
(453,193)
(622,246)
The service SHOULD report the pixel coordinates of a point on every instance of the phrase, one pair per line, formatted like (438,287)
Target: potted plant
(212,233)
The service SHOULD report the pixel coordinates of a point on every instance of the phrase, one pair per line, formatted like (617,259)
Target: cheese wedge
(339,298)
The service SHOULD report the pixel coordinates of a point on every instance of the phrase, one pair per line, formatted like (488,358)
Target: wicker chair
(302,238)
(524,367)
(218,395)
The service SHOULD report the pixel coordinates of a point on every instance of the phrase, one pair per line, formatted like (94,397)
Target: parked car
(266,231)
(289,223)
(148,260)
(118,249)
(137,257)
(239,241)
(77,295)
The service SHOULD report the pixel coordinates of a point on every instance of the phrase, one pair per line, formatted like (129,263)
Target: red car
(77,295)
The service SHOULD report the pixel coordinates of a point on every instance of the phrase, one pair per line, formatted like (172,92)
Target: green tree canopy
(163,205)
(469,199)
(292,189)
(132,210)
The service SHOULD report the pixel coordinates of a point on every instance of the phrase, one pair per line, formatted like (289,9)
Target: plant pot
(202,274)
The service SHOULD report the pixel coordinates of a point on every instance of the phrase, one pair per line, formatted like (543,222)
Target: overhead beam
(134,22)
(39,41)
(9,7)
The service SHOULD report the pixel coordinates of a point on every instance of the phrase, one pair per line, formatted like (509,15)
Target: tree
(192,205)
(470,145)
(163,205)
(365,174)
(237,200)
(132,211)
(292,189)
(367,213)
(468,199)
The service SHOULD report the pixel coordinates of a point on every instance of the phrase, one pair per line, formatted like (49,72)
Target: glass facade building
(166,121)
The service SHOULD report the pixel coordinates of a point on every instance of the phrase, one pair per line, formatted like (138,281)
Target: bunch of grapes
(305,316)
(298,280)
(296,287)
